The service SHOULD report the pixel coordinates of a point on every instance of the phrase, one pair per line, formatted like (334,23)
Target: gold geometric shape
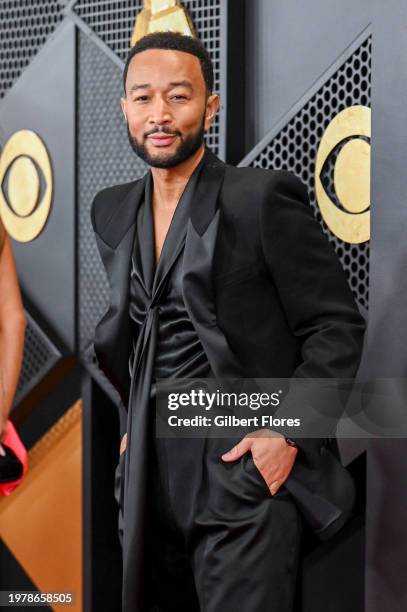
(24,186)
(162,16)
(141,24)
(351,175)
(22,225)
(41,521)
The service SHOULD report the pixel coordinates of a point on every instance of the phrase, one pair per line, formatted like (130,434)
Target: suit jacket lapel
(198,266)
(115,225)
(115,235)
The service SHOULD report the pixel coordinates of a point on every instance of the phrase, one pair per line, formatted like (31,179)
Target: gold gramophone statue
(160,16)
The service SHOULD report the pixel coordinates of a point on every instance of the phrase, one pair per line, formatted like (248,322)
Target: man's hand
(273,457)
(123,444)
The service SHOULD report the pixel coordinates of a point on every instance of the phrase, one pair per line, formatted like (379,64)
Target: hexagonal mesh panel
(24,27)
(104,158)
(39,356)
(295,147)
(114,22)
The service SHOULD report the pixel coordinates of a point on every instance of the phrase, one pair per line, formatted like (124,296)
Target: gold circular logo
(351,223)
(23,215)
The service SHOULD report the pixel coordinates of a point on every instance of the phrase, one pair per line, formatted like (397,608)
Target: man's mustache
(161,130)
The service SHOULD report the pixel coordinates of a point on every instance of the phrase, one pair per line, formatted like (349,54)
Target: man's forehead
(169,57)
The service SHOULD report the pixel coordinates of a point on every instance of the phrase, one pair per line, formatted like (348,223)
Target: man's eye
(141,99)
(179,97)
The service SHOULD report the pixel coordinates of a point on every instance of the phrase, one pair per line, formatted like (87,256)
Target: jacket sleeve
(314,293)
(90,352)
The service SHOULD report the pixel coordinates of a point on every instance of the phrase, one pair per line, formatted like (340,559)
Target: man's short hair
(174,41)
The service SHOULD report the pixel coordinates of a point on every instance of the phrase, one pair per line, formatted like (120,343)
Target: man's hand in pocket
(272,456)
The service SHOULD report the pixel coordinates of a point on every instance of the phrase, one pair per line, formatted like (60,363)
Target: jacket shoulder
(262,187)
(262,179)
(104,202)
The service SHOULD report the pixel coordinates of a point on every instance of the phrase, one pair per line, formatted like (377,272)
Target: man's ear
(123,105)
(212,107)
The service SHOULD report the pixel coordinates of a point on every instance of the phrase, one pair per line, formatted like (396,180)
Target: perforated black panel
(104,158)
(295,147)
(40,355)
(113,22)
(24,27)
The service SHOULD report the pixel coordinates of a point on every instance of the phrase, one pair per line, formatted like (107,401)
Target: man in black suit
(215,272)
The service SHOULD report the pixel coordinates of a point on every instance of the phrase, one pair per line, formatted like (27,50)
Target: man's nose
(160,112)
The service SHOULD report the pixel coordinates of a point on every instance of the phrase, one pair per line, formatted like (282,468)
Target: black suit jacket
(261,283)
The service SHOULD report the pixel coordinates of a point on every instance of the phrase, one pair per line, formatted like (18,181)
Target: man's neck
(169,183)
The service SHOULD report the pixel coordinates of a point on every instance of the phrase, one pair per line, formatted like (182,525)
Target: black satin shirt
(178,350)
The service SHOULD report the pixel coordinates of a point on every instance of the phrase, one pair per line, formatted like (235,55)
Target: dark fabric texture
(222,543)
(267,298)
(219,543)
(179,353)
(153,316)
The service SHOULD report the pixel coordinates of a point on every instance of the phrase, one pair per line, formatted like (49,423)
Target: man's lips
(162,140)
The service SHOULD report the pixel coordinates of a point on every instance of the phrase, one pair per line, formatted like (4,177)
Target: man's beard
(187,147)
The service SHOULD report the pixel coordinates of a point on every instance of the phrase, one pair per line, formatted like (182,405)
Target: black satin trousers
(218,541)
